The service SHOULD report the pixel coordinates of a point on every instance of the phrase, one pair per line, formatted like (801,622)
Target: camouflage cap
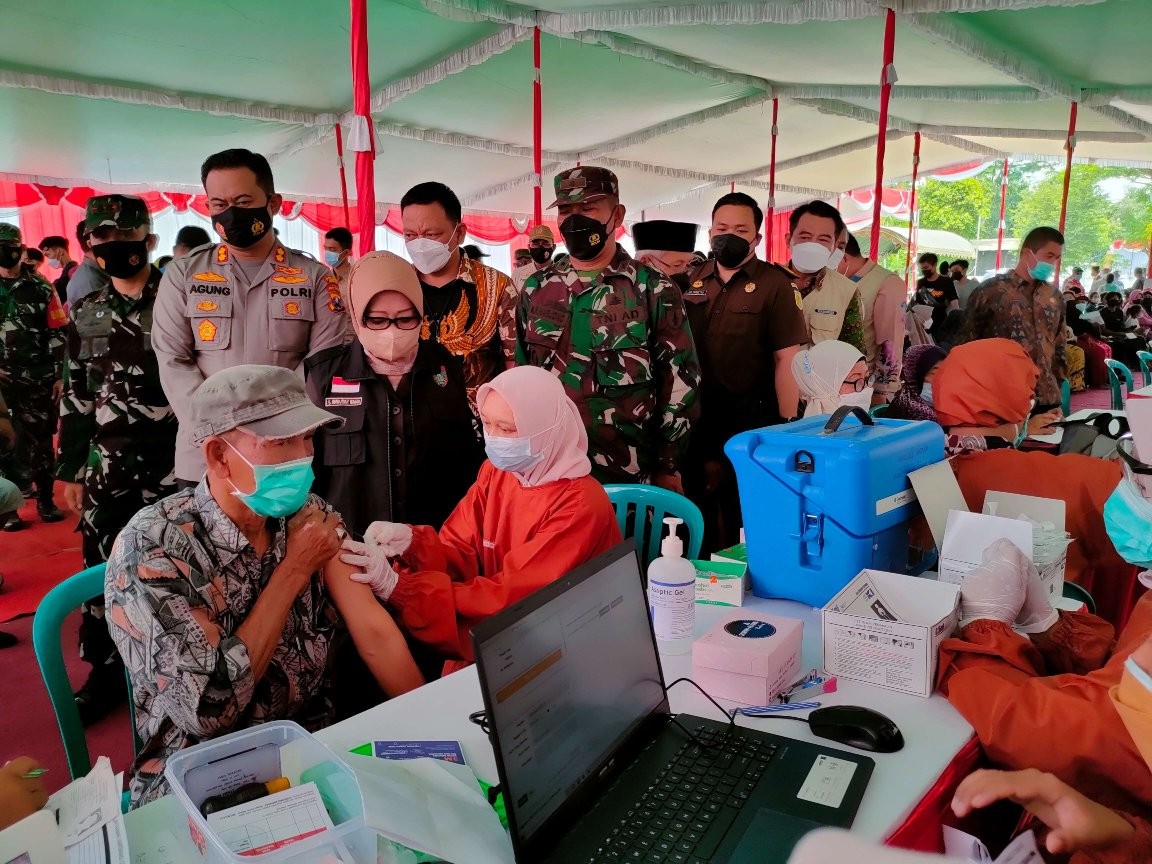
(9,233)
(541,232)
(584,184)
(123,212)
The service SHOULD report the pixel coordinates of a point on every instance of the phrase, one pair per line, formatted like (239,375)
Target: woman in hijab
(832,374)
(915,399)
(983,393)
(408,450)
(533,515)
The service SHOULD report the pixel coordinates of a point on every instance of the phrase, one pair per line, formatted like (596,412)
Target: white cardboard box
(886,628)
(969,535)
(1043,510)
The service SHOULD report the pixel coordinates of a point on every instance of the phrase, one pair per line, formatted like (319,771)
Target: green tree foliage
(1088,230)
(962,207)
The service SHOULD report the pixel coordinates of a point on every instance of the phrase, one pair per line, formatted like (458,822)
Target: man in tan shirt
(246,300)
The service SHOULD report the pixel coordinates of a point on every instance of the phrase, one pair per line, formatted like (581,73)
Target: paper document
(866,601)
(964,846)
(107,845)
(87,804)
(968,535)
(270,823)
(433,806)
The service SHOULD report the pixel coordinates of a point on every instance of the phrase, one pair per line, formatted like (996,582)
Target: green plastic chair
(1116,372)
(1146,366)
(59,603)
(640,511)
(1066,396)
(879,410)
(1075,592)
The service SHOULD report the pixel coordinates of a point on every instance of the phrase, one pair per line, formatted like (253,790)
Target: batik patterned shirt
(181,580)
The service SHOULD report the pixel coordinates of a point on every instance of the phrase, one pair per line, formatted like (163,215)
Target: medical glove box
(826,498)
(279,748)
(749,657)
(885,629)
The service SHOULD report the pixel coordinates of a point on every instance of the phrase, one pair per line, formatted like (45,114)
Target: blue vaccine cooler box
(826,497)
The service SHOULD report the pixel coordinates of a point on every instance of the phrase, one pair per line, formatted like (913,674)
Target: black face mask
(540,254)
(730,250)
(927,272)
(584,236)
(121,259)
(10,256)
(242,226)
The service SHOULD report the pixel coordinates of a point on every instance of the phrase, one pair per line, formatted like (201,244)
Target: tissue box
(886,629)
(721,584)
(737,554)
(749,657)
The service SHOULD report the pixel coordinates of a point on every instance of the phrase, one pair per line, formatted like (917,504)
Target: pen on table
(34,773)
(760,710)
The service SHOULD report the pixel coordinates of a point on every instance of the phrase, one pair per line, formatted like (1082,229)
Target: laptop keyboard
(684,815)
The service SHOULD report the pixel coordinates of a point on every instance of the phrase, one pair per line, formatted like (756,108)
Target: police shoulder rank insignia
(207,331)
(292,307)
(698,284)
(221,254)
(207,306)
(750,287)
(289,280)
(291,271)
(209,276)
(280,255)
(799,299)
(441,377)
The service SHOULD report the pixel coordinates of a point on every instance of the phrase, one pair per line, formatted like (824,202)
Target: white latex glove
(375,571)
(1037,614)
(996,589)
(393,537)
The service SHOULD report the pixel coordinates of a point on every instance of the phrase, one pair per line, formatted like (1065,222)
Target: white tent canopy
(676,98)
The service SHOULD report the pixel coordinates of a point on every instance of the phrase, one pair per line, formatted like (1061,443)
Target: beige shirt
(207,318)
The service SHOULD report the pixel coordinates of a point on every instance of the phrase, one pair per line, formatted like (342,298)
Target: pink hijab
(545,414)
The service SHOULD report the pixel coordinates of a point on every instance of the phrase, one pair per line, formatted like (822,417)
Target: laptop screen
(567,683)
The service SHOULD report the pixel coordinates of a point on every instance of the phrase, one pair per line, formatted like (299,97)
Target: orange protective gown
(501,543)
(1084,484)
(1046,703)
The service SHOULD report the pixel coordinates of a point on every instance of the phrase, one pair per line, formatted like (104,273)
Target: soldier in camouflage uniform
(614,332)
(117,431)
(31,349)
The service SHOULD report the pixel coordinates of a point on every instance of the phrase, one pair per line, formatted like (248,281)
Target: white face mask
(392,345)
(428,255)
(810,257)
(863,399)
(836,259)
(53,262)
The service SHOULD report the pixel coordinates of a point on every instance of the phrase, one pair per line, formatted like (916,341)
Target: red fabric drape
(887,74)
(361,107)
(537,132)
(912,220)
(1003,208)
(343,176)
(777,249)
(1070,146)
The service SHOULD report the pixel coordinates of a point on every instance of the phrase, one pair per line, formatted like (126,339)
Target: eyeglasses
(383,322)
(861,384)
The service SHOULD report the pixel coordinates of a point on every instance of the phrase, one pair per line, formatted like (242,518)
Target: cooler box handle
(842,413)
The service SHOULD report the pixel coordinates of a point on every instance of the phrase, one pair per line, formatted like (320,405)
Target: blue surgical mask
(281,489)
(331,258)
(926,393)
(1042,271)
(510,454)
(1142,677)
(1128,518)
(1081,307)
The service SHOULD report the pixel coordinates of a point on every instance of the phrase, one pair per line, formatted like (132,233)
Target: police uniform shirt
(211,315)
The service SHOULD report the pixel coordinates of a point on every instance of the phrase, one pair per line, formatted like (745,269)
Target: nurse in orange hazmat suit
(533,515)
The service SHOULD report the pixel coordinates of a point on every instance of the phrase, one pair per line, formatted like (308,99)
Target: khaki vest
(824,308)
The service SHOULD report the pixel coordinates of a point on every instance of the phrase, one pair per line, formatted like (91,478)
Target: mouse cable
(700,742)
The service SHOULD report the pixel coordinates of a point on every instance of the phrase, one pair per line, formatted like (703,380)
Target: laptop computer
(593,764)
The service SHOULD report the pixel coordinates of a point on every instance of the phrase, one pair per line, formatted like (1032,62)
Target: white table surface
(934,732)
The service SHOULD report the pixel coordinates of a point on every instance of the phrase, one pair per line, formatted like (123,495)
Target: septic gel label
(673,610)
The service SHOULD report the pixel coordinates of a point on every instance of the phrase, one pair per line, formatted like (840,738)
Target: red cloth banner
(887,77)
(361,107)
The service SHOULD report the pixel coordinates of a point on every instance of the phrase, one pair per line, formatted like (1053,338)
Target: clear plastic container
(226,763)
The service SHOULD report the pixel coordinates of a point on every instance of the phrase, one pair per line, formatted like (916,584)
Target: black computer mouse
(857,727)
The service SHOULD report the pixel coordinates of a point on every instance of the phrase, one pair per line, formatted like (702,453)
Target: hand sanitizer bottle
(672,594)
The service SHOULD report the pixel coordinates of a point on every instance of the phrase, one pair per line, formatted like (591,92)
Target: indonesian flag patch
(339,385)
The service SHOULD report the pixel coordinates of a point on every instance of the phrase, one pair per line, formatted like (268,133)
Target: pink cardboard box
(748,657)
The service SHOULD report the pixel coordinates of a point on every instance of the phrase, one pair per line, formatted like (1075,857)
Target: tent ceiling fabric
(676,96)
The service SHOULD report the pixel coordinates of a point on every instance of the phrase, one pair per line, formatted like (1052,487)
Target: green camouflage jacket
(31,330)
(113,409)
(620,343)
